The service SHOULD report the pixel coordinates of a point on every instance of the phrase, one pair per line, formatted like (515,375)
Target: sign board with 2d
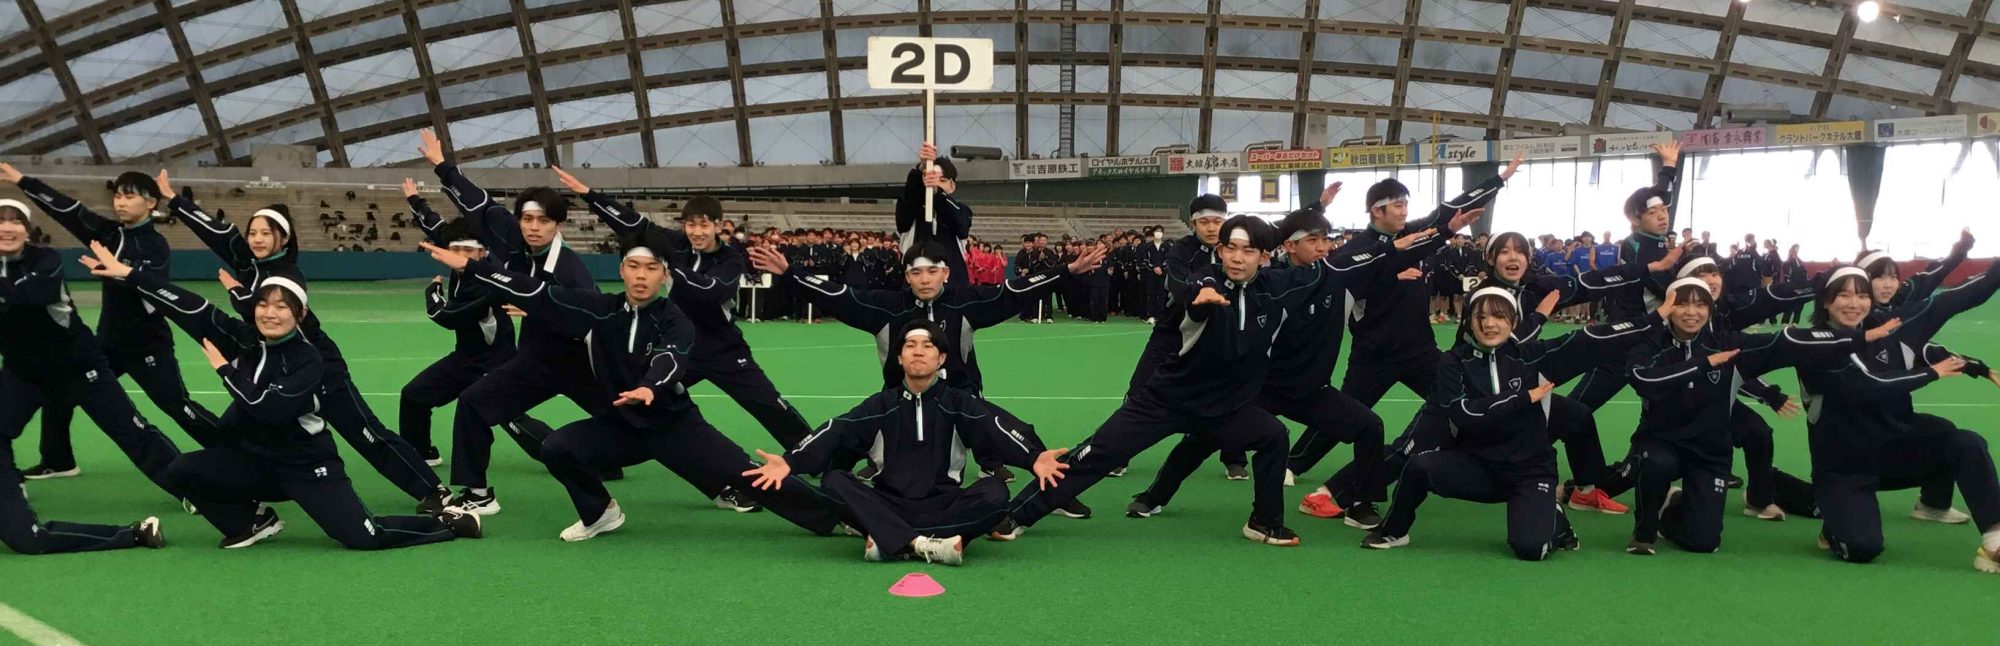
(930,64)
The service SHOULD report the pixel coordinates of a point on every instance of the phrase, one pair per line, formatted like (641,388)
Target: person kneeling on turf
(277,446)
(918,435)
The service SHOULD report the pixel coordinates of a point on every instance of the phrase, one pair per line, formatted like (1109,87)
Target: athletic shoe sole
(1351,522)
(1388,545)
(1985,562)
(487,509)
(1260,537)
(1941,517)
(70,473)
(589,533)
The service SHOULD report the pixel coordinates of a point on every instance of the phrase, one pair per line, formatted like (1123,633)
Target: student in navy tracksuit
(1688,373)
(1390,322)
(961,311)
(277,447)
(951,220)
(525,239)
(919,434)
(706,274)
(1190,256)
(483,334)
(48,354)
(268,249)
(1650,212)
(1494,392)
(1865,435)
(1891,291)
(44,347)
(1205,388)
(638,349)
(134,337)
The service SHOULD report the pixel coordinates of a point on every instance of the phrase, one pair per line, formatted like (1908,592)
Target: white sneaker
(870,553)
(612,519)
(1769,512)
(947,551)
(1947,516)
(1986,561)
(1288,477)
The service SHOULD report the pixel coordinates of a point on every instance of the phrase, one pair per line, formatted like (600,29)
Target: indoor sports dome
(1586,279)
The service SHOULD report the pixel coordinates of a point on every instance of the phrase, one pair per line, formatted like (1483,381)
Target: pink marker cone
(916,584)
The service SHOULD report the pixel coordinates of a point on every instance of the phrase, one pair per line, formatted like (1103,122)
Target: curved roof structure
(742,82)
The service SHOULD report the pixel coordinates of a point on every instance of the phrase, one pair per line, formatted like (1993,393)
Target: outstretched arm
(74,217)
(573,311)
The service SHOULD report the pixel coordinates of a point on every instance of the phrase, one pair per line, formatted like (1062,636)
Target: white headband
(1689,282)
(283,222)
(1655,200)
(1496,292)
(474,244)
(1208,213)
(922,262)
(286,284)
(532,206)
(1302,233)
(1698,263)
(1240,234)
(917,331)
(641,252)
(1871,259)
(1388,201)
(17,204)
(1493,243)
(1844,272)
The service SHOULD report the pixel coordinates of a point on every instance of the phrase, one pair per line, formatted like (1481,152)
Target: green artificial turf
(682,571)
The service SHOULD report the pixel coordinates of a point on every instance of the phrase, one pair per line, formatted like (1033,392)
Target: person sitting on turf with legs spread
(278,447)
(639,343)
(136,339)
(267,248)
(1494,392)
(707,274)
(960,311)
(1206,388)
(918,433)
(1687,373)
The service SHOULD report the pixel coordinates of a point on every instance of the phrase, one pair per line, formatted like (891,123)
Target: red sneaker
(1595,500)
(1321,504)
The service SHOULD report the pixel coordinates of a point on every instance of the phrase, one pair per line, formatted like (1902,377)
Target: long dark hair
(1820,318)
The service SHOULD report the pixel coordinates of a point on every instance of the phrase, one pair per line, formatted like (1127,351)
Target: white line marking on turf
(1062,398)
(32,630)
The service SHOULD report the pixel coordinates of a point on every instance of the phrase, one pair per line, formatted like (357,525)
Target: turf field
(682,571)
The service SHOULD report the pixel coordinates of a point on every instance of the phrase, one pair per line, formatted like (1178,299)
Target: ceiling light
(1868,11)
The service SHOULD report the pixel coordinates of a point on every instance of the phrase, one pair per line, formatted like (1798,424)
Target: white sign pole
(930,137)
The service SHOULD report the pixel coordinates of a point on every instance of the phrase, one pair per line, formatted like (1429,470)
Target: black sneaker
(1567,541)
(1640,548)
(1362,516)
(1116,473)
(1005,475)
(44,472)
(1142,509)
(1007,530)
(1237,472)
(1281,535)
(1732,482)
(612,474)
(432,457)
(1379,540)
(1074,509)
(435,503)
(482,504)
(147,533)
(463,524)
(735,501)
(868,472)
(264,526)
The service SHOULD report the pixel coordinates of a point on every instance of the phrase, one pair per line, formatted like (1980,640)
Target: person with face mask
(1493,393)
(639,349)
(277,447)
(478,319)
(134,336)
(1297,384)
(1205,388)
(960,311)
(1687,374)
(45,353)
(1862,428)
(704,276)
(526,239)
(1153,273)
(267,248)
(919,433)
